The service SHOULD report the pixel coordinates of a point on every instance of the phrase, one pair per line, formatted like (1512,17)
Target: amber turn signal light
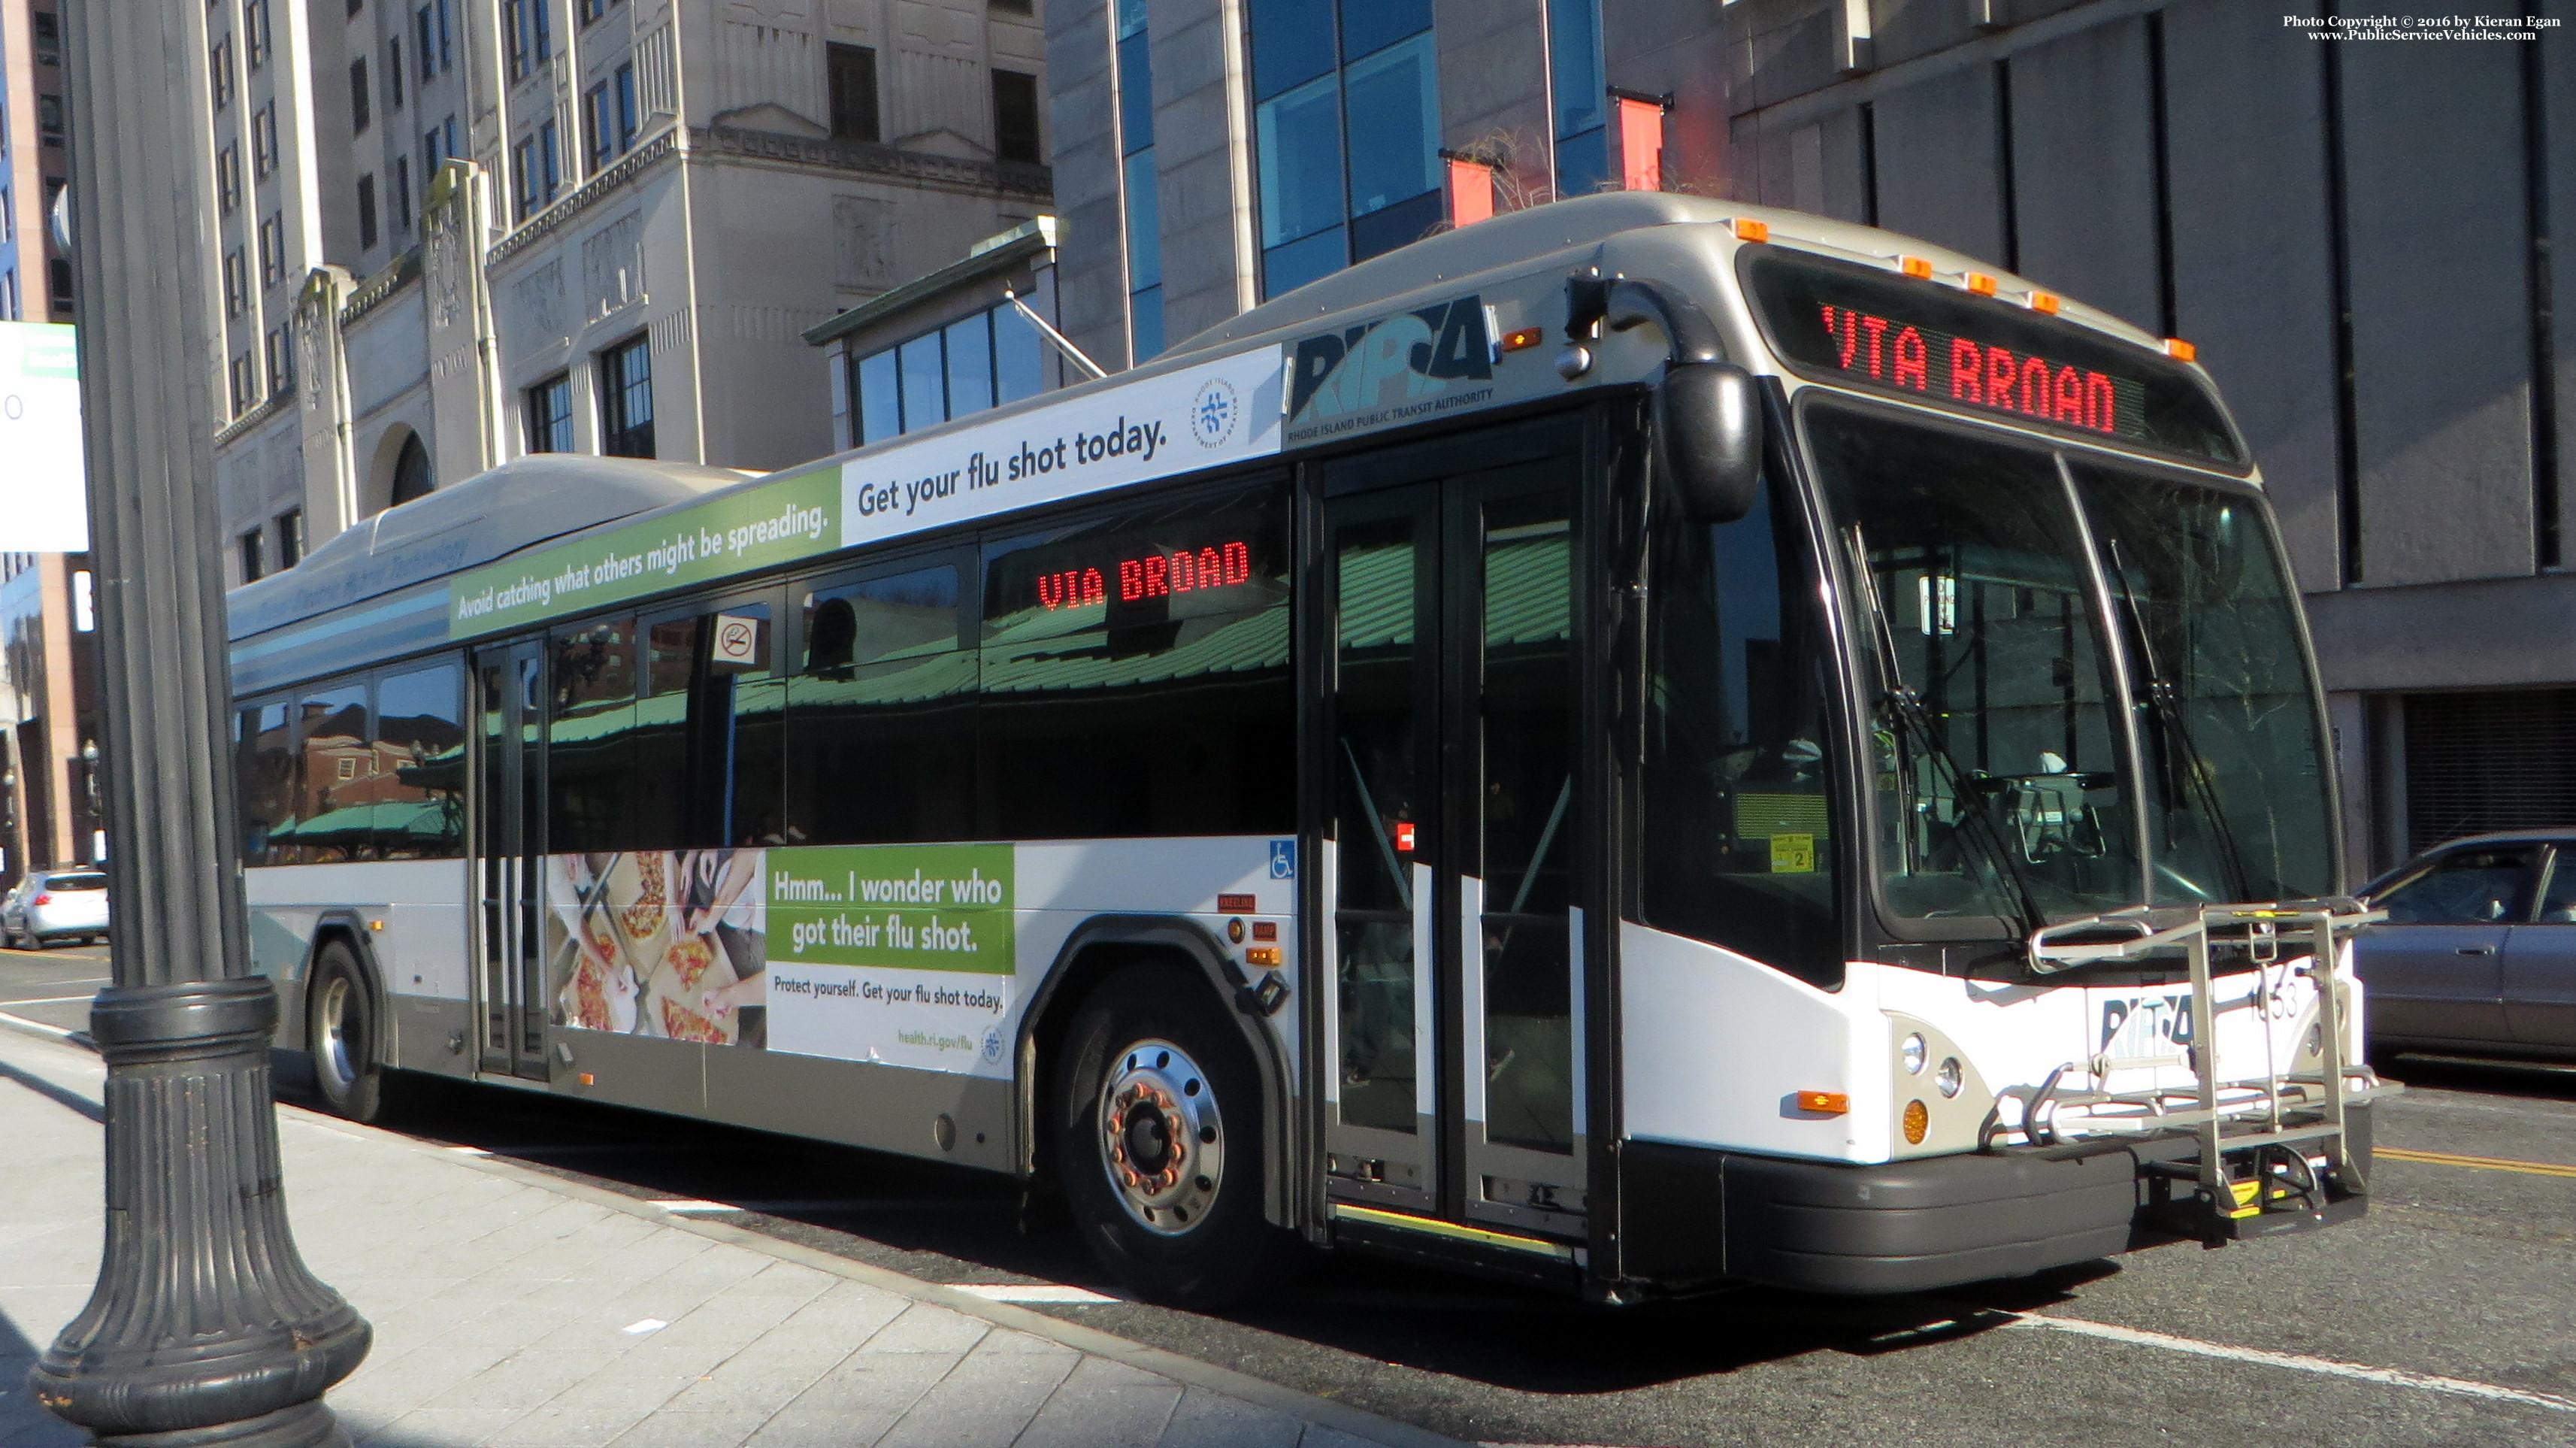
(1830,1103)
(1263,955)
(1524,339)
(1915,266)
(1918,1120)
(2044,302)
(2180,350)
(1982,284)
(1748,229)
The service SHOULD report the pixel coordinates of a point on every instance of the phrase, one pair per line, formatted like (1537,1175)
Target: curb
(1188,1371)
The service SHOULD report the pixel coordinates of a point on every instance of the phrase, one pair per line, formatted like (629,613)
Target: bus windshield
(2005,784)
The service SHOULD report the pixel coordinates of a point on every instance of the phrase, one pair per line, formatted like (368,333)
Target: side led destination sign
(1860,327)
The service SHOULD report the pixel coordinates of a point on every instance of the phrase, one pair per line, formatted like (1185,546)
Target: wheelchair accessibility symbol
(1283,859)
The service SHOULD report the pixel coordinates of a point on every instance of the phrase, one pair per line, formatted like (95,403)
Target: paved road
(2446,1317)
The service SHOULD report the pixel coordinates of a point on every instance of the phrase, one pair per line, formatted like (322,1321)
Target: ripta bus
(1642,743)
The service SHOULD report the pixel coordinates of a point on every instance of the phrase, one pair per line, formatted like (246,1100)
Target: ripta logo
(1392,360)
(2145,1025)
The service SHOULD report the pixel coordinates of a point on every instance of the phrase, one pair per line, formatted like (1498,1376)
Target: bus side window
(1736,812)
(592,798)
(1135,674)
(419,780)
(880,715)
(333,764)
(709,724)
(263,781)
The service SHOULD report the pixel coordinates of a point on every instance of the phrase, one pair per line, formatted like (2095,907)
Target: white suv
(62,905)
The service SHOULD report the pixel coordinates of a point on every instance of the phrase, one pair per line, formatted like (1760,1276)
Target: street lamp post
(205,1326)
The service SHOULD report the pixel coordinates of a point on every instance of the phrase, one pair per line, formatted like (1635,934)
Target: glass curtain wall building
(1578,96)
(1346,131)
(1144,213)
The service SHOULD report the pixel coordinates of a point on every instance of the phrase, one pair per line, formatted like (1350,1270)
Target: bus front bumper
(1697,1215)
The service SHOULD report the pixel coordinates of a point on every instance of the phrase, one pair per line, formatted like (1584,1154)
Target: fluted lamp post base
(205,1326)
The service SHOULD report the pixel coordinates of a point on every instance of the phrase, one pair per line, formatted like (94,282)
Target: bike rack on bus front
(2275,1111)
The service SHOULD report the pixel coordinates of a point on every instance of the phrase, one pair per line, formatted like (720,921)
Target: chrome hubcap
(1160,1137)
(332,1037)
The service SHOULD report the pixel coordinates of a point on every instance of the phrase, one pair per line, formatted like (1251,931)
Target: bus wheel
(1159,1141)
(340,1031)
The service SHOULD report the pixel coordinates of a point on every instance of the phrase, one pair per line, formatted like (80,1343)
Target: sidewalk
(512,1308)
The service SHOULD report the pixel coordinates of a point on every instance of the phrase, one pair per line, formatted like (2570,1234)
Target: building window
(48,33)
(228,183)
(1320,78)
(272,250)
(629,119)
(219,70)
(854,92)
(1582,94)
(411,472)
(236,283)
(626,400)
(425,41)
(280,352)
(59,273)
(402,194)
(8,216)
(254,548)
(593,9)
(245,384)
(550,415)
(989,359)
(1012,7)
(255,25)
(446,39)
(9,294)
(366,213)
(608,119)
(534,172)
(263,140)
(360,97)
(549,165)
(49,120)
(290,537)
(596,129)
(393,74)
(1142,210)
(1015,117)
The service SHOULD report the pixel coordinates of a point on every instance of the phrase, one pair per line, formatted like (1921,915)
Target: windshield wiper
(2179,761)
(1916,722)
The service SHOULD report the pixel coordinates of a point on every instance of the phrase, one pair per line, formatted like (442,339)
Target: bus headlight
(1912,1051)
(1948,1077)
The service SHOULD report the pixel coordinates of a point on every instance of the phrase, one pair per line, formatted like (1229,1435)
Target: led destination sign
(1155,575)
(1858,326)
(1963,370)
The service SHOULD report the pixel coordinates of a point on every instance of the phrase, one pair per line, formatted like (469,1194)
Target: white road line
(1028,1292)
(53,1000)
(2395,1377)
(690,1205)
(55,1031)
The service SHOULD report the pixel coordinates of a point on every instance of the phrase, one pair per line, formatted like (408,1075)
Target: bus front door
(1455,1059)
(509,844)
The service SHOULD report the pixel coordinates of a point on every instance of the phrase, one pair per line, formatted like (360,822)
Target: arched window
(411,472)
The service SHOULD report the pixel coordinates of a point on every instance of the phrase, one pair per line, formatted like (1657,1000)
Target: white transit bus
(1641,743)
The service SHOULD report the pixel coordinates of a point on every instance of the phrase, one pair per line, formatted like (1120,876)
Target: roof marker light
(1915,266)
(1982,284)
(1748,229)
(2180,350)
(2044,302)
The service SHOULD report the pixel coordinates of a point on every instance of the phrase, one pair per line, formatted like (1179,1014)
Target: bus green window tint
(710,732)
(593,798)
(264,782)
(334,776)
(418,794)
(881,715)
(2226,707)
(1737,816)
(1135,674)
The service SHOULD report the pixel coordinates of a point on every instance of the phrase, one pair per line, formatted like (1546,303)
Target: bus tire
(1158,1141)
(340,1032)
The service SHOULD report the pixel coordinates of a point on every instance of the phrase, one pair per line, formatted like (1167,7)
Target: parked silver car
(57,905)
(2479,951)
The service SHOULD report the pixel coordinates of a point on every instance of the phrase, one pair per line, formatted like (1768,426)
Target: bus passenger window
(418,791)
(880,716)
(708,731)
(1135,675)
(264,782)
(1737,804)
(334,772)
(590,792)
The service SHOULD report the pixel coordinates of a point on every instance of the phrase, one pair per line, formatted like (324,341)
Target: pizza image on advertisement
(683,1024)
(689,958)
(643,916)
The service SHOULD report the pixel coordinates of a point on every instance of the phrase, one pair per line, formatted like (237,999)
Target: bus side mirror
(1709,423)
